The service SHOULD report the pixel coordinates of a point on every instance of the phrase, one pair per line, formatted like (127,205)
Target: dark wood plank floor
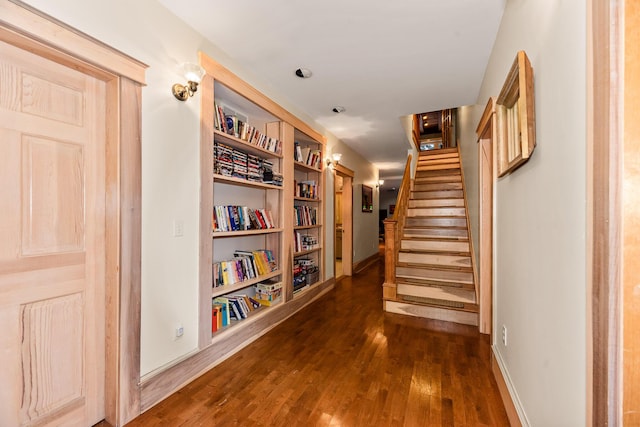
(342,361)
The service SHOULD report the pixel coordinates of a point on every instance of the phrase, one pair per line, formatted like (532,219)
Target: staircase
(434,275)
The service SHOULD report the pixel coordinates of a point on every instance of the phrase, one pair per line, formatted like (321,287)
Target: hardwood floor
(344,362)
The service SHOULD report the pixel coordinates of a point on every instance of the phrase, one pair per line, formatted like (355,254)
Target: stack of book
(304,242)
(307,155)
(305,215)
(232,307)
(268,293)
(223,159)
(269,176)
(254,168)
(245,265)
(306,189)
(239,164)
(239,218)
(227,122)
(305,273)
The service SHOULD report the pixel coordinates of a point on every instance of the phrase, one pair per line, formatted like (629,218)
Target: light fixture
(380,183)
(194,74)
(334,160)
(303,73)
(338,109)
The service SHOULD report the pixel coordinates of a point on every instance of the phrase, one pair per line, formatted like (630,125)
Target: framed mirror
(516,116)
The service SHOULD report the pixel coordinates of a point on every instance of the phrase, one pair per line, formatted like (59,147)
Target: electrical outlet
(178,228)
(504,335)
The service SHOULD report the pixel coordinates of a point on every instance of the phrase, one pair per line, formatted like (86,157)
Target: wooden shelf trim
(225,289)
(303,166)
(305,289)
(217,178)
(241,144)
(308,251)
(216,234)
(237,324)
(306,227)
(307,199)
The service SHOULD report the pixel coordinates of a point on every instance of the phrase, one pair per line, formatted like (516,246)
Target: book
(224,310)
(215,313)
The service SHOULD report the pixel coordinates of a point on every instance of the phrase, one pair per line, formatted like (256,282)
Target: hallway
(343,361)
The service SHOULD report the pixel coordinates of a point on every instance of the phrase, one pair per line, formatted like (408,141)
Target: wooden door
(346,215)
(52,242)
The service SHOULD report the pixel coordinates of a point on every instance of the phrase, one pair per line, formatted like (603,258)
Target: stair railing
(393,233)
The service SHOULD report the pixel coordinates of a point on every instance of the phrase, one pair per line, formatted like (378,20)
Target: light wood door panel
(52,234)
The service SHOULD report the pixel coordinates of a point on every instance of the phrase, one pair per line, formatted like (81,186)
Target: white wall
(145,30)
(540,282)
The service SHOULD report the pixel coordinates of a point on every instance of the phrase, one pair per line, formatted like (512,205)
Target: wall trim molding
(159,384)
(361,265)
(510,399)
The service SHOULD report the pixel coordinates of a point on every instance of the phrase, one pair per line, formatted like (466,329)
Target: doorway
(486,178)
(69,257)
(343,220)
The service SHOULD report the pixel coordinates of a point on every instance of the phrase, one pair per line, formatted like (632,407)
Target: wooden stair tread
(435,275)
(435,194)
(433,302)
(431,312)
(435,283)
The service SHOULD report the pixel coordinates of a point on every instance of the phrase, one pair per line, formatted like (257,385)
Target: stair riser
(442,161)
(435,222)
(436,313)
(443,276)
(434,246)
(436,179)
(435,203)
(422,158)
(449,194)
(451,261)
(438,167)
(447,294)
(436,212)
(440,186)
(440,233)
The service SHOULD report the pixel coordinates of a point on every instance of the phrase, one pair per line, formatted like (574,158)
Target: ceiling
(380,60)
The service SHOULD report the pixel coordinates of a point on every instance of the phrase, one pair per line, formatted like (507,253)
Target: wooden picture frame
(515,114)
(367,198)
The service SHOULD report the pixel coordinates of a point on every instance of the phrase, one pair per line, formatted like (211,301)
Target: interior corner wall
(540,218)
(147,31)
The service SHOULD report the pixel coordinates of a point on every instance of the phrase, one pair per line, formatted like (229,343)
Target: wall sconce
(334,160)
(380,183)
(194,74)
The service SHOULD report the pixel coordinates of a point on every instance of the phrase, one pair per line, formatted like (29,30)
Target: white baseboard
(512,403)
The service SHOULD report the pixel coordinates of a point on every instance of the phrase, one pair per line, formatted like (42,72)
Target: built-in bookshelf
(258,197)
(247,168)
(308,156)
(247,228)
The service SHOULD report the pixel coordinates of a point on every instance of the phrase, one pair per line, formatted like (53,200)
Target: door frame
(613,341)
(26,28)
(347,220)
(486,136)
